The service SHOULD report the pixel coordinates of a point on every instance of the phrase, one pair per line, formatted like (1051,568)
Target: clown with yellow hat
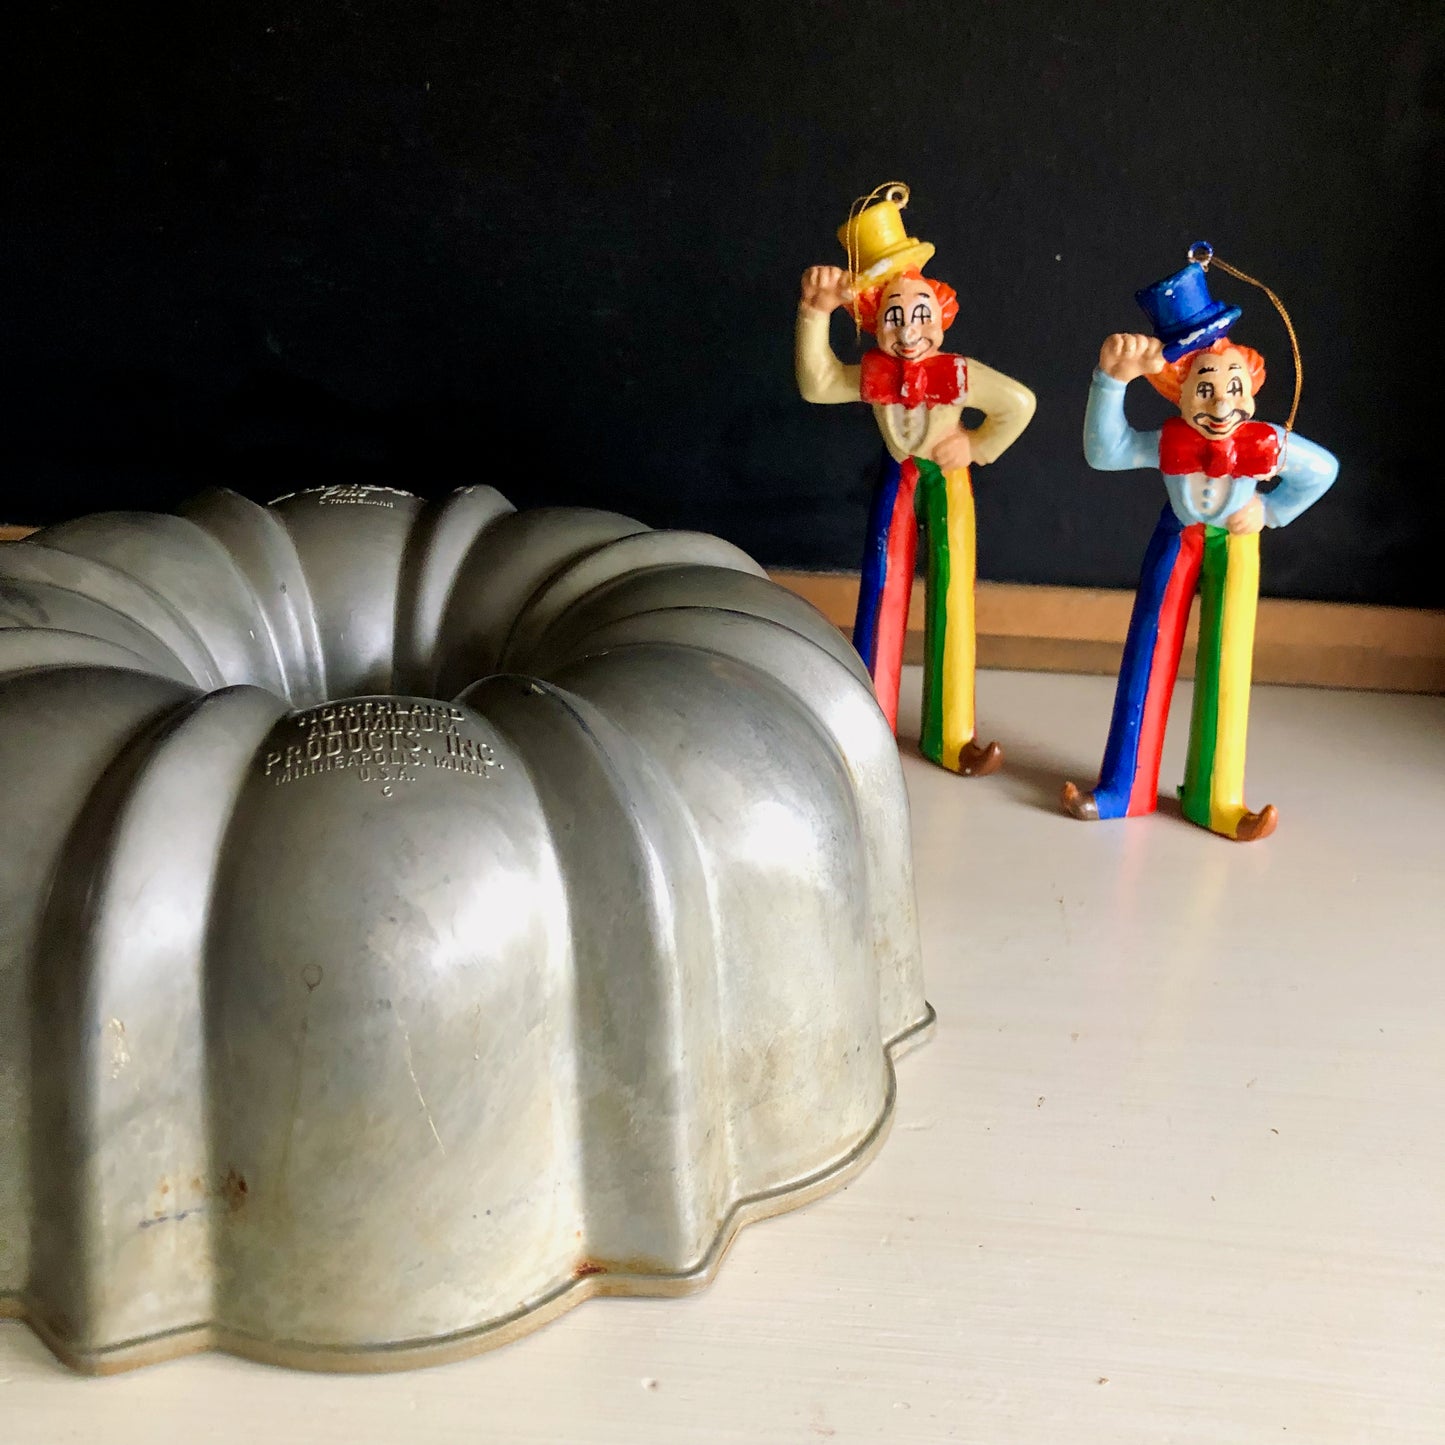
(918,393)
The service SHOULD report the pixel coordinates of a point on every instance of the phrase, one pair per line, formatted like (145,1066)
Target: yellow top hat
(877,244)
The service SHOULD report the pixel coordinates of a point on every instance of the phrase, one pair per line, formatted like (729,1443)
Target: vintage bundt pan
(417,917)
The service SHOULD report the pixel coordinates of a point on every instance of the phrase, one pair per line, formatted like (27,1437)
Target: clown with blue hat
(1213,458)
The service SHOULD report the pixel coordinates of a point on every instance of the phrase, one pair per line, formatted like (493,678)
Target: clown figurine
(918,393)
(1213,457)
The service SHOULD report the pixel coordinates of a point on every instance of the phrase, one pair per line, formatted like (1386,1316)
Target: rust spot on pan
(233,1190)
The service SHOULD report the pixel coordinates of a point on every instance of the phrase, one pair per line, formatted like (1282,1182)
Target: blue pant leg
(875,561)
(1121,752)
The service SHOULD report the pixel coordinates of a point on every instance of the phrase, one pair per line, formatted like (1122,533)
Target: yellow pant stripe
(960,655)
(1236,661)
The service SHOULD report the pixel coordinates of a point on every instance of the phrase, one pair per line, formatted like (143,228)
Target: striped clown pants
(913,494)
(1226,568)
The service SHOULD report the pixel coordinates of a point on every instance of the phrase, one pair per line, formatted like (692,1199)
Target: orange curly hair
(868,302)
(1169,383)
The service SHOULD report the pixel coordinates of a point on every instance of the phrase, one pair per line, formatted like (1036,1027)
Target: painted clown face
(1218,393)
(910,320)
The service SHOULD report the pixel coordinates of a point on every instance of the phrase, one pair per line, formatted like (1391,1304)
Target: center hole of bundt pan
(351,591)
(347,592)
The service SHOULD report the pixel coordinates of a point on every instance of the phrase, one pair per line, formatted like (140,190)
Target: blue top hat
(1184,315)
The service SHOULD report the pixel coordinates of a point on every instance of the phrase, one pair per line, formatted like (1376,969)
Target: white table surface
(1172,1168)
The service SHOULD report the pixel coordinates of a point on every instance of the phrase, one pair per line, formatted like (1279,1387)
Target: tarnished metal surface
(416,917)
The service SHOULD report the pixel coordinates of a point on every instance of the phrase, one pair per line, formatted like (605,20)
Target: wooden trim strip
(1081,629)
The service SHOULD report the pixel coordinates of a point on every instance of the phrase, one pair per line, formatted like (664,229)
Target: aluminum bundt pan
(418,917)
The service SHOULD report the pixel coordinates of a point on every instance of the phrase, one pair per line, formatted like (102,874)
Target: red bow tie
(935,381)
(1251,450)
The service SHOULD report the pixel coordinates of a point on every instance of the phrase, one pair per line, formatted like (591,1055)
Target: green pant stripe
(931,501)
(1204,724)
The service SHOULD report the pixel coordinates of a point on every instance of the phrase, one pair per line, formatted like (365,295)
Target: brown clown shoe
(1254,826)
(979,762)
(1250,828)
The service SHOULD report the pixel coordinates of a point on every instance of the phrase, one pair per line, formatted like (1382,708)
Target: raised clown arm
(1110,443)
(1307,474)
(821,376)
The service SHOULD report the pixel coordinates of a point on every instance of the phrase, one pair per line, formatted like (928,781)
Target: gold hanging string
(1203,255)
(898,193)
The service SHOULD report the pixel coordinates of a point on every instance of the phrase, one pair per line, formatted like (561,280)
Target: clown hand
(1124,357)
(825,288)
(1248,519)
(953,453)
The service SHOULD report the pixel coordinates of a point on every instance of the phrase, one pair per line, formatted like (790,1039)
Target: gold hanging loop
(898,193)
(1202,254)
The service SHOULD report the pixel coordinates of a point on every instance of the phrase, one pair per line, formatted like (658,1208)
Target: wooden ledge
(1081,629)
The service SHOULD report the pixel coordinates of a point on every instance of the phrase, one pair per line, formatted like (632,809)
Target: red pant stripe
(897,593)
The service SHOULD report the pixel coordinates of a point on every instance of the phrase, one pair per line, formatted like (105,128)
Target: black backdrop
(556,247)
